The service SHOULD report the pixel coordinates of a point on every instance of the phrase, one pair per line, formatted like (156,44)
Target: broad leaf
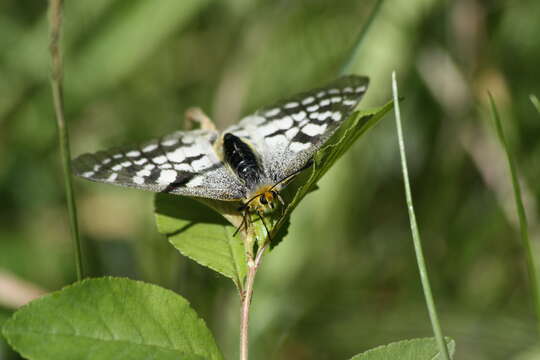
(202,235)
(415,349)
(110,318)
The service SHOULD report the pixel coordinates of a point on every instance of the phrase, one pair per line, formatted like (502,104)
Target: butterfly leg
(196,115)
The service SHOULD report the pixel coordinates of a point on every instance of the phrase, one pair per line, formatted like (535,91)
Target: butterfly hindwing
(183,163)
(288,133)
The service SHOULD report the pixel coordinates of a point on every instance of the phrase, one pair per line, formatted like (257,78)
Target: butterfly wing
(287,134)
(182,163)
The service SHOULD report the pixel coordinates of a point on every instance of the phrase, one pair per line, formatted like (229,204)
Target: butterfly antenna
(265,227)
(244,222)
(289,177)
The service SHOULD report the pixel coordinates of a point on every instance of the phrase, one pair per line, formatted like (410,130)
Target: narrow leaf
(354,127)
(110,318)
(415,349)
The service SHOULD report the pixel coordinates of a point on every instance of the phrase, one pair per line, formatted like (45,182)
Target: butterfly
(249,162)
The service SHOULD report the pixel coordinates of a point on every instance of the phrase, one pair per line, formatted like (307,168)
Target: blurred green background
(345,279)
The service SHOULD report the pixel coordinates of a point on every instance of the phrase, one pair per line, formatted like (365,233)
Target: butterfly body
(249,162)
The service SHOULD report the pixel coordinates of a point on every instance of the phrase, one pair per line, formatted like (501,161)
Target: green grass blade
(535,102)
(56,83)
(531,266)
(360,39)
(415,233)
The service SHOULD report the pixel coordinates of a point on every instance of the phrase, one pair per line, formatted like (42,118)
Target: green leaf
(415,349)
(202,234)
(110,318)
(4,315)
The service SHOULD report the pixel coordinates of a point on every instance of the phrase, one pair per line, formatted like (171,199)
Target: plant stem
(360,38)
(529,257)
(253,265)
(415,233)
(57,91)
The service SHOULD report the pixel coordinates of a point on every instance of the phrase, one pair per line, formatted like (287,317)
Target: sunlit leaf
(110,318)
(202,234)
(415,349)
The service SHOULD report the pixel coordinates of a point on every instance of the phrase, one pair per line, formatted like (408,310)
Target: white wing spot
(291,105)
(138,180)
(126,163)
(149,148)
(117,167)
(314,115)
(201,164)
(160,159)
(308,100)
(192,150)
(183,167)
(348,89)
(143,172)
(106,161)
(336,99)
(165,166)
(267,129)
(336,116)
(133,153)
(112,177)
(349,102)
(149,166)
(298,146)
(117,156)
(188,139)
(360,89)
(323,116)
(141,161)
(291,132)
(272,112)
(284,123)
(314,130)
(96,167)
(166,177)
(320,94)
(312,108)
(276,140)
(87,173)
(196,181)
(325,102)
(333,91)
(177,155)
(299,116)
(170,142)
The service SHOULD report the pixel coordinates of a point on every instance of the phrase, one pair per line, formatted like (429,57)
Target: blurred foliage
(345,279)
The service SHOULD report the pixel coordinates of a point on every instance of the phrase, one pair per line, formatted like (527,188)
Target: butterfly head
(263,201)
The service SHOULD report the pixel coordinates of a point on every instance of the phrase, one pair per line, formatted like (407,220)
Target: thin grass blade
(415,233)
(523,227)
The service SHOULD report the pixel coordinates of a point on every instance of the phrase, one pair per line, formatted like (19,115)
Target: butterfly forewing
(182,163)
(288,133)
(284,138)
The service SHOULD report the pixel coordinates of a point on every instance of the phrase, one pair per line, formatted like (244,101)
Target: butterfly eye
(263,200)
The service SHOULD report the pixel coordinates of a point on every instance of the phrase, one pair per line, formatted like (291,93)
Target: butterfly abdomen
(242,159)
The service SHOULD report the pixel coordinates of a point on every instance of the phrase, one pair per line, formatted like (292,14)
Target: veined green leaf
(202,234)
(110,318)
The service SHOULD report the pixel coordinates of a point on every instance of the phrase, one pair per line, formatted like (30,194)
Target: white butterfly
(248,162)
